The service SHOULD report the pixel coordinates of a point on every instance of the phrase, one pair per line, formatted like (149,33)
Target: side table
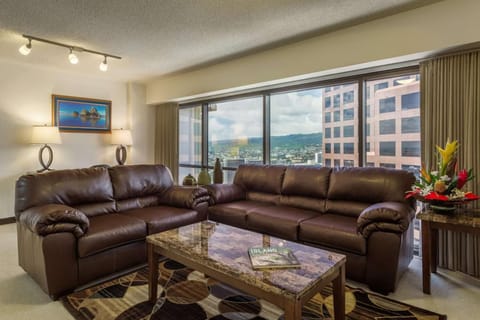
(462,220)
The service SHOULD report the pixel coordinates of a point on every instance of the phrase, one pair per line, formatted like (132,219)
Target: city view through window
(315,126)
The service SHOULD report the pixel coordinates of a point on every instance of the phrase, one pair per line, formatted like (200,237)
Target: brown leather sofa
(75,226)
(360,212)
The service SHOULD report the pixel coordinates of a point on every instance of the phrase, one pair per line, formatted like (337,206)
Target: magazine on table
(272,257)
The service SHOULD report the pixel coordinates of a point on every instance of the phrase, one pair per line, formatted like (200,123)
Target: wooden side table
(463,220)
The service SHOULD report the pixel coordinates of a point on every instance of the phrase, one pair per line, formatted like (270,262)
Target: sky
(291,113)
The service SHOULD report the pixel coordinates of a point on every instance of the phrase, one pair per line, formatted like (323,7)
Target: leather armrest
(55,218)
(385,216)
(222,193)
(184,197)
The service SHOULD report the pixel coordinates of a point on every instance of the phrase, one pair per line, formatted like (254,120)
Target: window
(387,126)
(410,148)
(235,130)
(348,97)
(328,133)
(328,148)
(348,148)
(328,163)
(336,101)
(380,86)
(348,163)
(348,132)
(367,129)
(367,147)
(336,163)
(348,114)
(328,117)
(411,125)
(387,148)
(336,148)
(336,132)
(367,110)
(387,165)
(411,101)
(328,102)
(336,116)
(295,128)
(370,164)
(387,105)
(189,140)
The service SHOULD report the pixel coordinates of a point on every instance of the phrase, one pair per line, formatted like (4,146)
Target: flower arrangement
(445,185)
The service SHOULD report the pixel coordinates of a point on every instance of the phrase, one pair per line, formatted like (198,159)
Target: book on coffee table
(272,257)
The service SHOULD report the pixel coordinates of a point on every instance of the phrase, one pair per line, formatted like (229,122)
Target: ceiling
(156,38)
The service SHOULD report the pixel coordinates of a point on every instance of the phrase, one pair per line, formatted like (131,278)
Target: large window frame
(359,79)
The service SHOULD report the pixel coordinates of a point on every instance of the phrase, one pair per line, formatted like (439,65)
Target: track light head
(26,48)
(104,66)
(72,57)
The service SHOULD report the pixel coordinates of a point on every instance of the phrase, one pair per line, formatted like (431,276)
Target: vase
(217,172)
(189,180)
(443,208)
(204,177)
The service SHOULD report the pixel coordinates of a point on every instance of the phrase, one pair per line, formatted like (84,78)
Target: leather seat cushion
(161,218)
(280,221)
(109,231)
(234,213)
(333,231)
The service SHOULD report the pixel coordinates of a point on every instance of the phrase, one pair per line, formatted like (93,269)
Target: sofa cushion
(234,213)
(335,231)
(296,178)
(137,181)
(369,185)
(303,203)
(280,221)
(109,231)
(161,218)
(69,187)
(261,178)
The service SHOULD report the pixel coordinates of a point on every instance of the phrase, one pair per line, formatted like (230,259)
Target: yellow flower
(447,154)
(426,176)
(440,187)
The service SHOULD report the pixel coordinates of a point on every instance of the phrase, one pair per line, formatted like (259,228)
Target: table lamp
(121,138)
(45,135)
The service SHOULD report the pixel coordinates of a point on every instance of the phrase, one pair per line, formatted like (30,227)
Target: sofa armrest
(184,197)
(222,193)
(385,216)
(55,218)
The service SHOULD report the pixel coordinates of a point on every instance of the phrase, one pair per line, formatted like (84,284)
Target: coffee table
(220,252)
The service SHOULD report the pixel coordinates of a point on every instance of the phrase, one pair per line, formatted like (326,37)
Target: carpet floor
(186,294)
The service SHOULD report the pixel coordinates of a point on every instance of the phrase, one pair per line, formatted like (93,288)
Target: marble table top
(461,217)
(224,249)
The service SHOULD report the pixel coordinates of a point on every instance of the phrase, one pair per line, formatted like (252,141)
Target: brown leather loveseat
(75,226)
(360,212)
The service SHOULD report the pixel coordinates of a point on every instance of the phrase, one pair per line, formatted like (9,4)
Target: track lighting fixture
(104,66)
(26,48)
(72,57)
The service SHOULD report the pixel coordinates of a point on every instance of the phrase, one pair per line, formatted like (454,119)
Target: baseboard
(7,220)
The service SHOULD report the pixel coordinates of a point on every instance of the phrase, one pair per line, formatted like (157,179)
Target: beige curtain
(450,108)
(166,137)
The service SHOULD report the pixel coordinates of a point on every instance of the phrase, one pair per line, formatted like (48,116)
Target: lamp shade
(46,135)
(122,137)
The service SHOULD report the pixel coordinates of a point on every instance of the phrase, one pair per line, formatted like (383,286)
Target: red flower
(462,178)
(436,196)
(471,196)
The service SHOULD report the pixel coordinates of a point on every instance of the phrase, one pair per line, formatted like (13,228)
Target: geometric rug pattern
(186,294)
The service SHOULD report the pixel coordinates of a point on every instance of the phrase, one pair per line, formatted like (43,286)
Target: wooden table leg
(152,273)
(293,310)
(426,255)
(433,250)
(339,294)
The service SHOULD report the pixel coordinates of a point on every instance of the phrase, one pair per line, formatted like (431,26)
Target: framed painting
(74,114)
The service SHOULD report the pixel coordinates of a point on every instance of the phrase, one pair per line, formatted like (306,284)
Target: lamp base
(121,155)
(45,166)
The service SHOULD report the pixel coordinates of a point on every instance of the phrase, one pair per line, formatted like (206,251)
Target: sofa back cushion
(307,181)
(260,178)
(137,183)
(88,188)
(369,185)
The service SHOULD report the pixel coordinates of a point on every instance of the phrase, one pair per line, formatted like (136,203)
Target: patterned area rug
(186,294)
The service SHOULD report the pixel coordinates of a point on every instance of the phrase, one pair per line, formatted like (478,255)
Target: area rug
(186,294)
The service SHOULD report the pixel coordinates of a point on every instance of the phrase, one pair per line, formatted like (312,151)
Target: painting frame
(78,114)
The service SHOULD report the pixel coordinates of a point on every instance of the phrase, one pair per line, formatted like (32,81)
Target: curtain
(166,137)
(450,102)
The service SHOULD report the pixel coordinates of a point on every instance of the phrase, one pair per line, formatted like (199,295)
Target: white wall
(25,100)
(434,27)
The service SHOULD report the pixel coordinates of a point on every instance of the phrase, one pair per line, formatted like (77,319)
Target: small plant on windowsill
(442,189)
